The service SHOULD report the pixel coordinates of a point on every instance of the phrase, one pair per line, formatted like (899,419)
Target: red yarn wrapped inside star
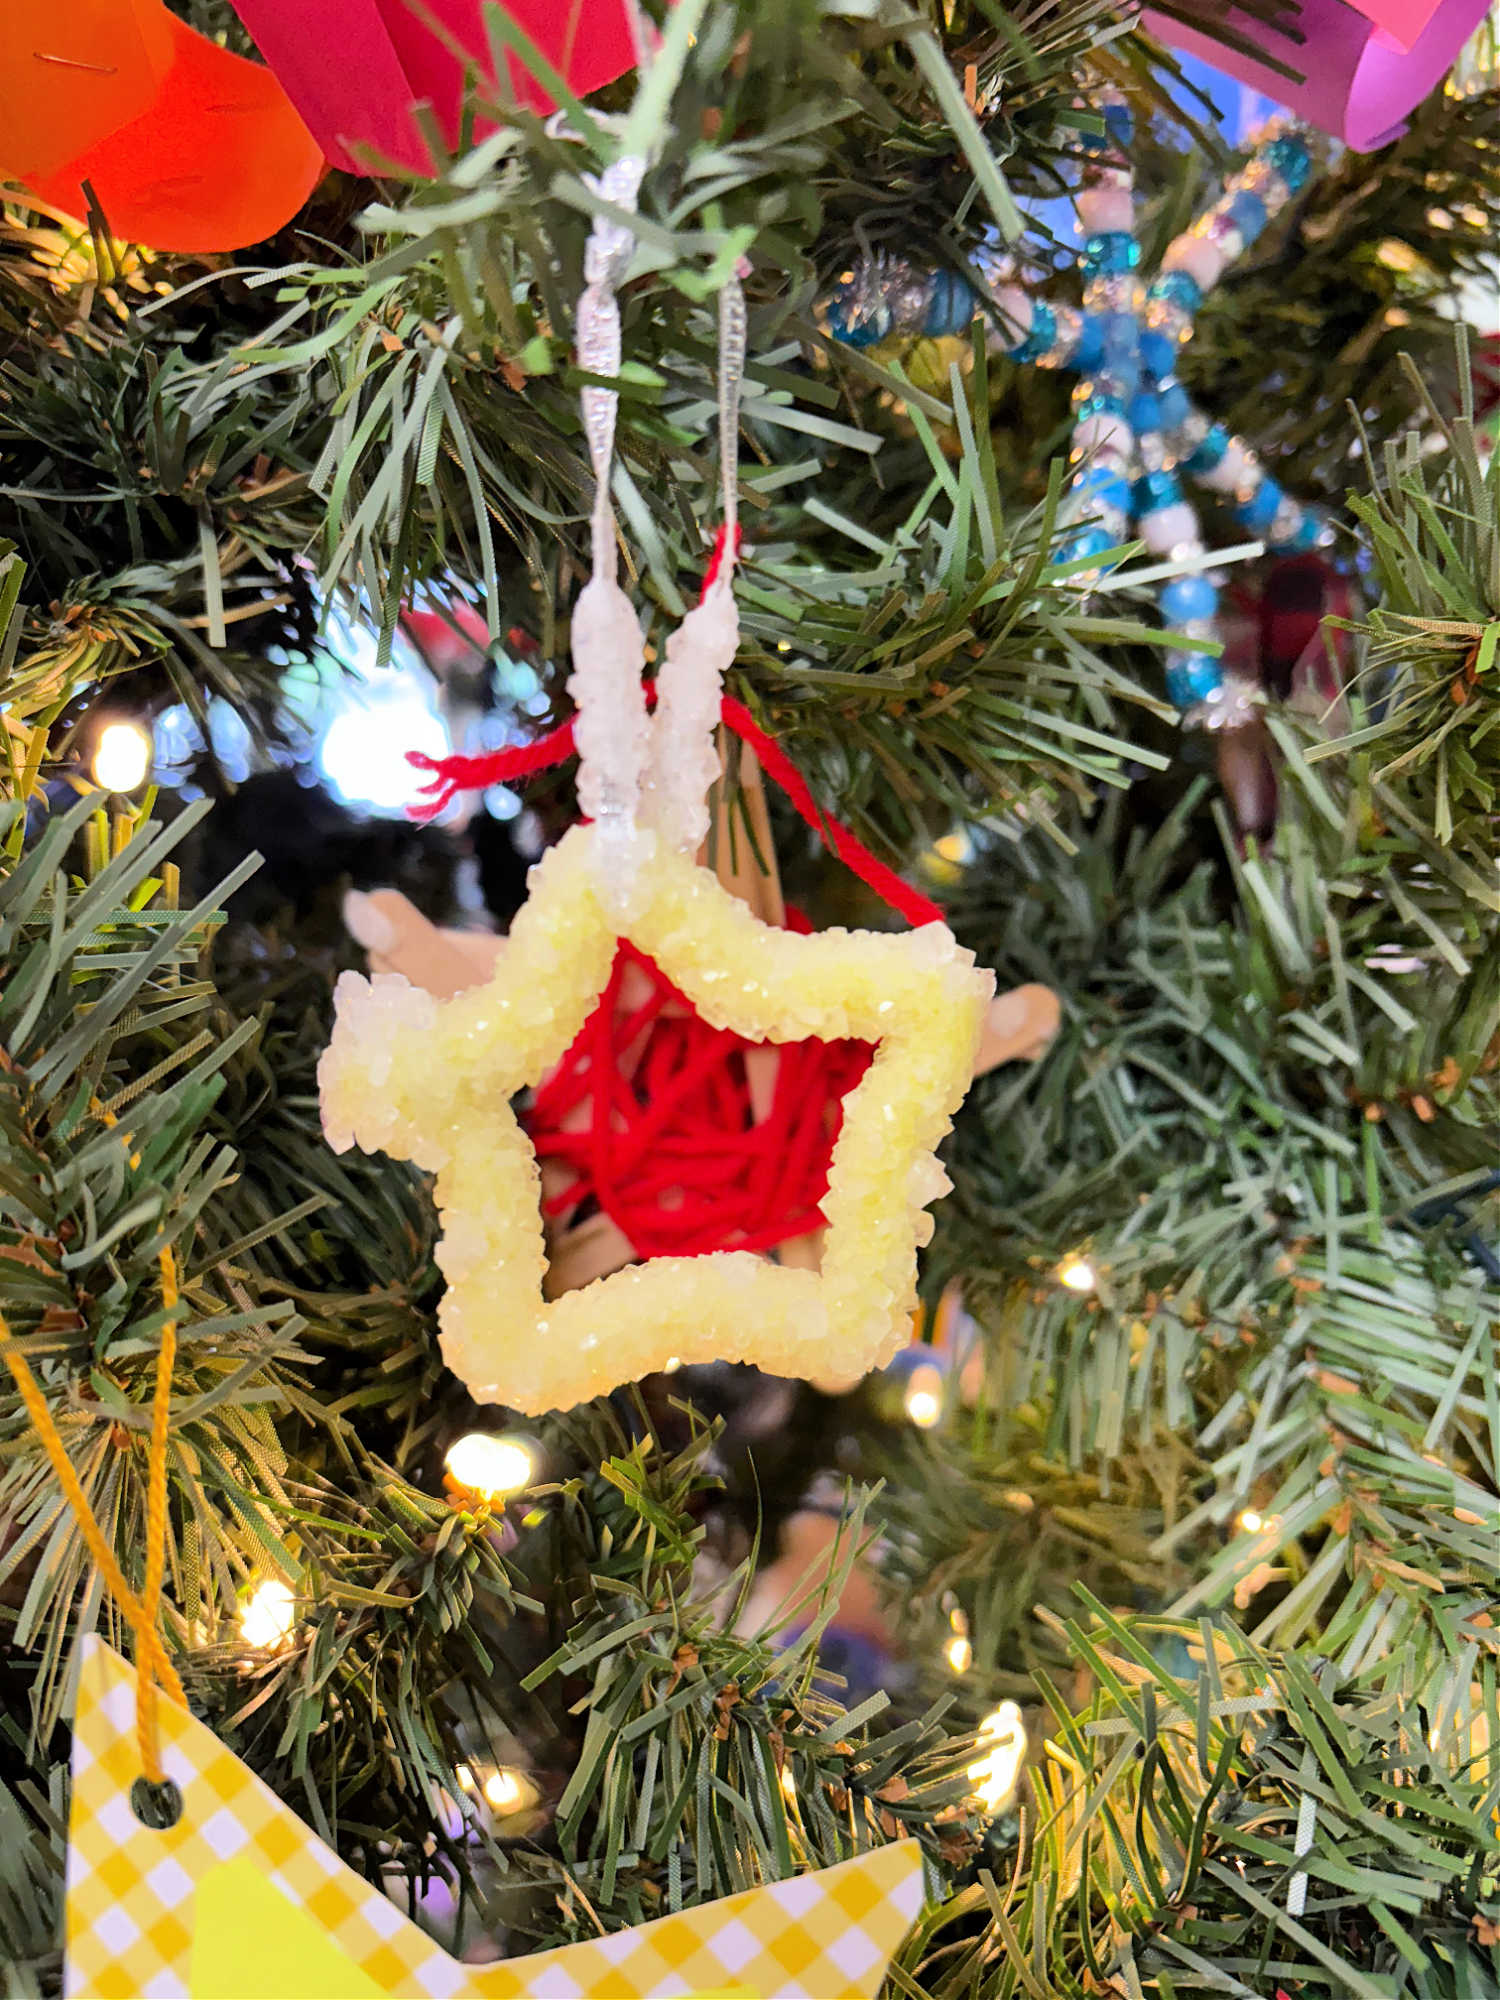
(665,1126)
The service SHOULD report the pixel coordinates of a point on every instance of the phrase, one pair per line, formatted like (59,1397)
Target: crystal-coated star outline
(432,1081)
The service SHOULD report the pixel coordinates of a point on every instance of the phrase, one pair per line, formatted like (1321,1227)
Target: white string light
(122,757)
(268,1615)
(994,1774)
(490,1467)
(504,1789)
(924,1395)
(959,1651)
(1078,1274)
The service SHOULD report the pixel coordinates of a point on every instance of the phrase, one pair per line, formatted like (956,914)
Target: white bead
(1229,707)
(1289,518)
(1106,429)
(1015,311)
(1198,257)
(1163,528)
(1104,209)
(1231,469)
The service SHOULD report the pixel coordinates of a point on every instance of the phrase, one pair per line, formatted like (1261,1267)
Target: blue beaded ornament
(1136,428)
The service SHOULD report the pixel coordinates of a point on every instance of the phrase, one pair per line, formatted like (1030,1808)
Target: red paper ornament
(185,146)
(356,68)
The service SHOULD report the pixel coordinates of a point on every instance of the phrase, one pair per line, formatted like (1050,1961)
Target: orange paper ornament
(184,145)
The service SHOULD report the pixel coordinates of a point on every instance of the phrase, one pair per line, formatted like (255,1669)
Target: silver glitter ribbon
(733,339)
(606,260)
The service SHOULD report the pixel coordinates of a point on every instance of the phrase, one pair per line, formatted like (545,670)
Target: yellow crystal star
(433,1081)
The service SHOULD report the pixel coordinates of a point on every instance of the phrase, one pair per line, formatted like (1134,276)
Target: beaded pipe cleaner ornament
(1136,429)
(434,1081)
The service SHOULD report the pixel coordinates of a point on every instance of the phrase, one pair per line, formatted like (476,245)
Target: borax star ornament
(433,1081)
(239,1900)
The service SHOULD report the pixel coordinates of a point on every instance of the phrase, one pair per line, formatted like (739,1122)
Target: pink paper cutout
(1360,84)
(355,68)
(1403,21)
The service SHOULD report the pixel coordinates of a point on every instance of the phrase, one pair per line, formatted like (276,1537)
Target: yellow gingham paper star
(241,1901)
(433,1081)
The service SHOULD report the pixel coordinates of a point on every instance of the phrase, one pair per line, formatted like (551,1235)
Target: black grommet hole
(156,1806)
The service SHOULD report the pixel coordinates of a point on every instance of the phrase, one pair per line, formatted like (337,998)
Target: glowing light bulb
(1251,1522)
(122,757)
(994,1774)
(959,1653)
(503,1790)
(489,1467)
(924,1395)
(269,1614)
(671,1365)
(506,1790)
(1078,1274)
(381,716)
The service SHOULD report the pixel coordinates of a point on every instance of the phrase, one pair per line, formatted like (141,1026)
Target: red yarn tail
(452,775)
(716,560)
(887,884)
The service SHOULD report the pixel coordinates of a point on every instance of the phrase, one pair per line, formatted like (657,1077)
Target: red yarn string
(887,884)
(452,775)
(455,774)
(716,560)
(672,1151)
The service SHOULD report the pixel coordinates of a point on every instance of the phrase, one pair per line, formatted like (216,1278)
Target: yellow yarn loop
(154,1669)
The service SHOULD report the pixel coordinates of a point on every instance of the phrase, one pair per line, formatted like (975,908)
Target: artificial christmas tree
(1209,1491)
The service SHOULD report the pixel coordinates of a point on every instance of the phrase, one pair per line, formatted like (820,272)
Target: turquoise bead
(1259,511)
(1288,157)
(1188,598)
(1176,288)
(1209,453)
(1192,679)
(1111,252)
(1154,490)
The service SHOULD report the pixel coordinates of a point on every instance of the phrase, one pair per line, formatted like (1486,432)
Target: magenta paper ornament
(1366,67)
(356,68)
